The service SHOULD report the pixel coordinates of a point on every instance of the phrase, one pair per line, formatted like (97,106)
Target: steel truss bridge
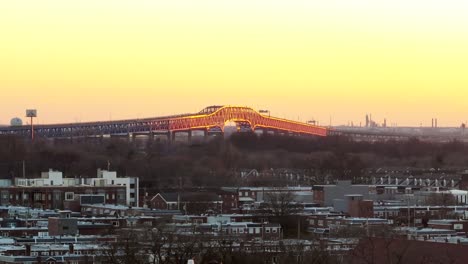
(212,119)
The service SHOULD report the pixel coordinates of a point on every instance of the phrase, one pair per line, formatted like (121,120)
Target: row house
(460,226)
(50,253)
(251,196)
(418,215)
(266,231)
(111,210)
(240,230)
(189,202)
(322,222)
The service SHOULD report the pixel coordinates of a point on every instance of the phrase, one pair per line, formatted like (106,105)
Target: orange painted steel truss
(212,117)
(221,115)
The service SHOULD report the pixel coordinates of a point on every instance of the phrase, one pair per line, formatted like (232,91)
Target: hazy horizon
(405,61)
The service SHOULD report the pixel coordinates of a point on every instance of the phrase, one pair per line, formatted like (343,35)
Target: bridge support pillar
(169,133)
(189,136)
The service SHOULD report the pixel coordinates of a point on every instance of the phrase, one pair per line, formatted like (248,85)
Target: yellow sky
(404,60)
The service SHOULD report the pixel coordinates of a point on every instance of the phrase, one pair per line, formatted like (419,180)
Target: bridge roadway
(445,134)
(212,118)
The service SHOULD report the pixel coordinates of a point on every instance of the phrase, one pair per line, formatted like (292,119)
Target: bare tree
(282,202)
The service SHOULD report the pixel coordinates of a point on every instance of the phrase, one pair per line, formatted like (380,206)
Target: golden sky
(404,60)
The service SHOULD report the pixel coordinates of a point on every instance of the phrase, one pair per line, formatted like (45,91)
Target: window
(267,230)
(69,196)
(132,186)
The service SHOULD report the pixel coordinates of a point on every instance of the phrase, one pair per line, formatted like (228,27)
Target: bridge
(212,119)
(443,134)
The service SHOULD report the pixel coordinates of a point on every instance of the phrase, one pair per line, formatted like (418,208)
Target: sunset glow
(406,61)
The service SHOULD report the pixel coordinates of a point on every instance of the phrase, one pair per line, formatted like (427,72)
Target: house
(189,202)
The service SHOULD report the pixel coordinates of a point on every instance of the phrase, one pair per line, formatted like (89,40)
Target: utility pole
(24,169)
(298,227)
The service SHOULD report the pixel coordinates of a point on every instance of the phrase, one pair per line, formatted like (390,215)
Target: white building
(106,178)
(461,196)
(50,178)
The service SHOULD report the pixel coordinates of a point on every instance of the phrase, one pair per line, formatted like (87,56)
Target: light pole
(312,122)
(264,112)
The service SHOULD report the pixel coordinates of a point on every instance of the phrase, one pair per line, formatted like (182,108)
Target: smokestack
(436,122)
(432,123)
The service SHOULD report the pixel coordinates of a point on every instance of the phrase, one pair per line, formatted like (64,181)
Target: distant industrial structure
(213,120)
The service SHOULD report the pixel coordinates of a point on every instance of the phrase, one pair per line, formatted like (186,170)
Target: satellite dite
(31,113)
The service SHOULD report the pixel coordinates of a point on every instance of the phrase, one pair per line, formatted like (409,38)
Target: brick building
(58,197)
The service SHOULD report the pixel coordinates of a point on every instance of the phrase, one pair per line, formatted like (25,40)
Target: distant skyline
(406,61)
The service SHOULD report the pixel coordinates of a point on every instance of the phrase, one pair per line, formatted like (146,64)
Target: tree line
(219,161)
